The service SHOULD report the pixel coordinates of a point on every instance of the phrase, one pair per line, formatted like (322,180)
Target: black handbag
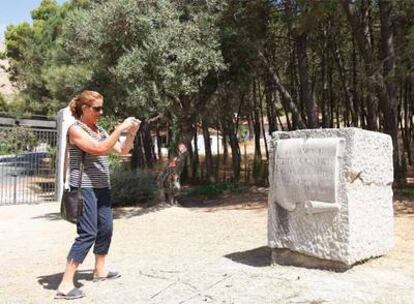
(72,203)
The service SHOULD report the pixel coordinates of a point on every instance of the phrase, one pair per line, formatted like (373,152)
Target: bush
(51,151)
(17,140)
(3,104)
(404,192)
(130,187)
(260,172)
(214,189)
(115,162)
(18,106)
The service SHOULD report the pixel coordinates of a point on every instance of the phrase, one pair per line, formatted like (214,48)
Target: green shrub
(51,151)
(214,189)
(260,172)
(17,140)
(115,162)
(406,192)
(131,187)
(18,106)
(108,123)
(3,104)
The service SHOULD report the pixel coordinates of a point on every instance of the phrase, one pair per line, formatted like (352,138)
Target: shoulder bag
(72,204)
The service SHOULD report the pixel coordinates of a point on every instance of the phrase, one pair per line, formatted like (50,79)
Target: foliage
(260,172)
(149,51)
(115,161)
(18,106)
(51,152)
(108,122)
(213,189)
(209,60)
(35,57)
(243,133)
(64,81)
(132,187)
(406,192)
(17,140)
(3,104)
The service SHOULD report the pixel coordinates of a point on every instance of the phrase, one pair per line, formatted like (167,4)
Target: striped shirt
(95,167)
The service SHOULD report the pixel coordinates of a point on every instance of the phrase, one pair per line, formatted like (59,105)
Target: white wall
(213,141)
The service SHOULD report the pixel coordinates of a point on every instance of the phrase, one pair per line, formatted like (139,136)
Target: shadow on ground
(403,206)
(53,216)
(245,201)
(118,213)
(129,212)
(258,257)
(52,281)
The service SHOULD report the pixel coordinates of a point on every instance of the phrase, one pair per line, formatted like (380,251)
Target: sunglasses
(97,109)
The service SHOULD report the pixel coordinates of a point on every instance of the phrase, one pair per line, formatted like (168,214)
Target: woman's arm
(126,146)
(85,142)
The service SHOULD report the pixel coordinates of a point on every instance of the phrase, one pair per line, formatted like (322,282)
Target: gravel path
(189,255)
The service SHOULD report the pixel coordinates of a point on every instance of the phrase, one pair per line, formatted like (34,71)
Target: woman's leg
(87,231)
(104,234)
(99,270)
(66,284)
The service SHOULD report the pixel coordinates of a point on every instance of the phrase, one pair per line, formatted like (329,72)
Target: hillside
(6,87)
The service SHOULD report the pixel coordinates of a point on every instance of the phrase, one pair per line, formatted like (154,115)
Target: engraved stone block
(330,195)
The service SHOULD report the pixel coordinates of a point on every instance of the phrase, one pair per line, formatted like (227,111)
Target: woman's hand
(133,130)
(129,123)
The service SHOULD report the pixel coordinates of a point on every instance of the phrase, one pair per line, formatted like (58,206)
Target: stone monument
(330,197)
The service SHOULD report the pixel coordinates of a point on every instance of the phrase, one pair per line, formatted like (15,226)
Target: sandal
(110,276)
(75,293)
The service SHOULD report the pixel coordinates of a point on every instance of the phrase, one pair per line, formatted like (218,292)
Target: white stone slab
(306,172)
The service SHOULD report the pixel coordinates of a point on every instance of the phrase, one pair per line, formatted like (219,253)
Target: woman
(90,145)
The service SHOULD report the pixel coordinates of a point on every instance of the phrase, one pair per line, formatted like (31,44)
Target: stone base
(287,257)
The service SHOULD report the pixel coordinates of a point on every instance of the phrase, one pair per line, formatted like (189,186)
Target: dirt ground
(214,253)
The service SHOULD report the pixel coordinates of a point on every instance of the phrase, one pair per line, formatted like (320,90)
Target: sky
(16,11)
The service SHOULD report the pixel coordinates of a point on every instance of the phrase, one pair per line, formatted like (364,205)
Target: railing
(27,165)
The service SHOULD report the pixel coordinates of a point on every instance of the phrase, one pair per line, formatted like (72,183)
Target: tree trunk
(207,147)
(229,129)
(324,79)
(159,143)
(195,164)
(137,157)
(270,106)
(382,84)
(349,96)
(390,106)
(360,28)
(286,98)
(305,85)
(147,144)
(256,124)
(263,129)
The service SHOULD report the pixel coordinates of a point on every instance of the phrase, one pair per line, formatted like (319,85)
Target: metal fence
(27,164)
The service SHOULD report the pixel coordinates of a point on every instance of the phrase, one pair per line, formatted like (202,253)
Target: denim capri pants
(95,225)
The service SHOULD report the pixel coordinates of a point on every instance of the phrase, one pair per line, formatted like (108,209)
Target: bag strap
(81,169)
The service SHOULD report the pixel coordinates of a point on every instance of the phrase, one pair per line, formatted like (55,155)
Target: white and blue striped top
(95,167)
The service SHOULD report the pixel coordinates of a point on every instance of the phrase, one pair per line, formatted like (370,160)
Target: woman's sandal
(110,276)
(75,293)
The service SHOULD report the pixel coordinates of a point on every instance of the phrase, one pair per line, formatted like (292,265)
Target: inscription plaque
(306,170)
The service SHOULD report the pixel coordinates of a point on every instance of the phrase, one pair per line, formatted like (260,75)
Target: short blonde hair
(84,98)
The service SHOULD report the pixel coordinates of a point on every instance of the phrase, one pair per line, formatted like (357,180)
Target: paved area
(215,254)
